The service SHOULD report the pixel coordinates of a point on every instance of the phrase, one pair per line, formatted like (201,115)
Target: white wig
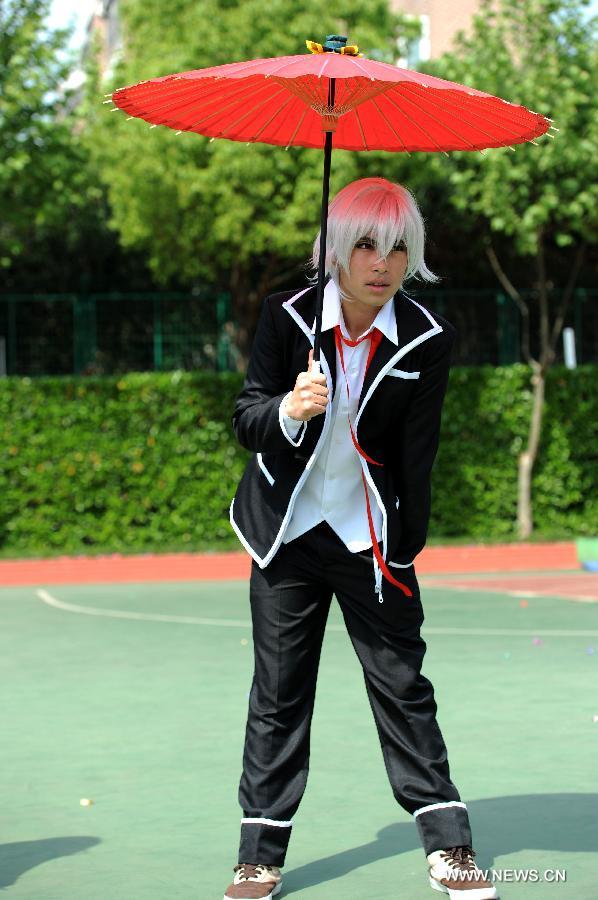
(384,212)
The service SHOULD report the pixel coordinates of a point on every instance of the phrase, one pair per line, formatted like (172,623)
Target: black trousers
(290,600)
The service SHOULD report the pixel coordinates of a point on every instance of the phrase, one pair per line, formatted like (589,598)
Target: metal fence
(489,324)
(89,334)
(59,334)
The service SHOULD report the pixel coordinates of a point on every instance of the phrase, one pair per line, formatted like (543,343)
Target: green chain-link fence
(52,334)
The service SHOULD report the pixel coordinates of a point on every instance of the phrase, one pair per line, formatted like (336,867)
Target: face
(373,281)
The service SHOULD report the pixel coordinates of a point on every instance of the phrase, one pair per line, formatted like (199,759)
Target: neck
(358,317)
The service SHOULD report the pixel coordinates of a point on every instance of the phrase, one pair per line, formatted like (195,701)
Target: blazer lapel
(328,348)
(414,325)
(384,353)
(302,309)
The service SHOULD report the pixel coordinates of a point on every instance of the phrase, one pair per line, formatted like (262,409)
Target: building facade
(440,21)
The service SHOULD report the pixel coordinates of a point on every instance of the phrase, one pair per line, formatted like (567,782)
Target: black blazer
(397,423)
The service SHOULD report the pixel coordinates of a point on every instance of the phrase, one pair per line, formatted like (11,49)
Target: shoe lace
(464,856)
(249,872)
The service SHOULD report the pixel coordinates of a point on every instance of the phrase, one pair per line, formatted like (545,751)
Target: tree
(53,233)
(235,216)
(541,54)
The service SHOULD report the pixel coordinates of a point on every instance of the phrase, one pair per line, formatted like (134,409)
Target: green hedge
(484,428)
(148,462)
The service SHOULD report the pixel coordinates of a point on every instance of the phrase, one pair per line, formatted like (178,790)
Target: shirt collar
(385,321)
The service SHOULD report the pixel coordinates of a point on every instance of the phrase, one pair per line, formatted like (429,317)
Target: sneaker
(254,882)
(455,873)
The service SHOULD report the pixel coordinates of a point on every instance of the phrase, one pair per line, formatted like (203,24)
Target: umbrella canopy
(285,101)
(332,94)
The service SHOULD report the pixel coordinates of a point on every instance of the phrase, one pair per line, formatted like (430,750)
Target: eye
(400,246)
(364,244)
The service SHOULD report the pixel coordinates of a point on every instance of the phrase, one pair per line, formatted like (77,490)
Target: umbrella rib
(413,121)
(468,123)
(497,119)
(191,96)
(358,65)
(365,146)
(239,67)
(272,117)
(285,65)
(492,116)
(235,100)
(145,88)
(248,112)
(298,126)
(390,125)
(507,125)
(406,76)
(135,97)
(438,121)
(326,61)
(188,95)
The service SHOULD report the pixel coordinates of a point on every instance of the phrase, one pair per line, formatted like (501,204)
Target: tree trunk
(247,294)
(241,314)
(528,457)
(548,341)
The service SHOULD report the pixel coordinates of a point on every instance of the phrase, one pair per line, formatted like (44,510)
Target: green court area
(134,697)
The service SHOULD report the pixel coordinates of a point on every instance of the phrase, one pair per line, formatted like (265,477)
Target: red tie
(374,336)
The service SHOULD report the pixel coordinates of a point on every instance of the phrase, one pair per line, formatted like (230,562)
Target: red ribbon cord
(374,336)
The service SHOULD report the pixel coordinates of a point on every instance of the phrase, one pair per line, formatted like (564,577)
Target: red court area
(581,586)
(545,565)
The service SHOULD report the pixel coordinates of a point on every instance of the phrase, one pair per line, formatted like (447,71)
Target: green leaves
(125,462)
(149,461)
(37,150)
(484,428)
(541,54)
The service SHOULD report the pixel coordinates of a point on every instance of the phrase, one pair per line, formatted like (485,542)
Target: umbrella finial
(334,43)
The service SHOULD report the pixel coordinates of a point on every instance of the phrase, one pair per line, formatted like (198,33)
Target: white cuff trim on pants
(432,806)
(267,822)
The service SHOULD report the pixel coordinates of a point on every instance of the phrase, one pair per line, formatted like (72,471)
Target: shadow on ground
(500,826)
(17,858)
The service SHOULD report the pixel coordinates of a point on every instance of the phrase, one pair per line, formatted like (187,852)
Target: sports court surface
(125,683)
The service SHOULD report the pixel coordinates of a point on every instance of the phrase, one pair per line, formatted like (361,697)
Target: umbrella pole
(323,233)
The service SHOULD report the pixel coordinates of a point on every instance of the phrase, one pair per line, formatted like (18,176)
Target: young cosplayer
(336,500)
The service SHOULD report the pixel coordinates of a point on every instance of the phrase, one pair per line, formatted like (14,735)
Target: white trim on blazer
(401,352)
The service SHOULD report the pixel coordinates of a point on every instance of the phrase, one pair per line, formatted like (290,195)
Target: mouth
(378,284)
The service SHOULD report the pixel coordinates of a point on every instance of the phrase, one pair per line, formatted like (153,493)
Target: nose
(380,265)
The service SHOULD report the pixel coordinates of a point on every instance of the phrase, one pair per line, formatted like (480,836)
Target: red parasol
(330,95)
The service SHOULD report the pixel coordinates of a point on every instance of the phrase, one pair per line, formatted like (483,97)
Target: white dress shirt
(333,491)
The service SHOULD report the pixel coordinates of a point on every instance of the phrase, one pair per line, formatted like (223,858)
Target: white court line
(240,623)
(144,617)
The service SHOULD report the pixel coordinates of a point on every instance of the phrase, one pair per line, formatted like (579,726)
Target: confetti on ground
(244,641)
(537,641)
(523,603)
(85,801)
